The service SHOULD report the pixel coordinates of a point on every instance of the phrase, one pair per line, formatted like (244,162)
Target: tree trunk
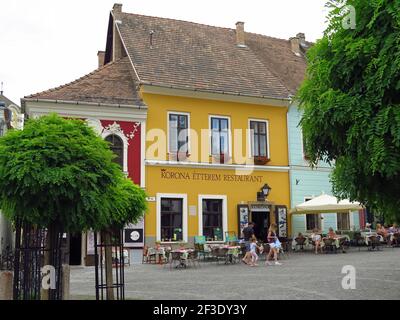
(108,264)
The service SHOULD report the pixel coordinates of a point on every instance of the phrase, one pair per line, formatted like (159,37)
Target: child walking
(274,245)
(253,252)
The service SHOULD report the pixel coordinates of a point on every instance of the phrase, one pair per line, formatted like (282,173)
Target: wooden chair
(300,242)
(358,240)
(175,260)
(396,240)
(194,258)
(330,246)
(145,252)
(374,243)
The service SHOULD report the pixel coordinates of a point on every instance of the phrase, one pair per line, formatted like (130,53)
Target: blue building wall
(306,182)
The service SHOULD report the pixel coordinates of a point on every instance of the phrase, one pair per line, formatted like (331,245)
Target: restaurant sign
(215,177)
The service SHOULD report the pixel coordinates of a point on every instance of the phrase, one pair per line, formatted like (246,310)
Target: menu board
(243,213)
(281,218)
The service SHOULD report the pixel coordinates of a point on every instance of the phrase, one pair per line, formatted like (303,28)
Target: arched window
(116,146)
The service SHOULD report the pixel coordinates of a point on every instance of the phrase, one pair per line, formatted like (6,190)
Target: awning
(326,204)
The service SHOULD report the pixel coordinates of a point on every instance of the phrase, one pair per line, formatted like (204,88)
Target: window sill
(173,242)
(178,156)
(216,159)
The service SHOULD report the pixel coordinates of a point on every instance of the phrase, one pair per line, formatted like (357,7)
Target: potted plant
(261,160)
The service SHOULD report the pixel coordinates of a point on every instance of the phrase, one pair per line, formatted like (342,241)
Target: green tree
(58,174)
(59,171)
(351,99)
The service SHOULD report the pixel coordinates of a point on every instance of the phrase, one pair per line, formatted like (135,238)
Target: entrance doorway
(262,222)
(75,249)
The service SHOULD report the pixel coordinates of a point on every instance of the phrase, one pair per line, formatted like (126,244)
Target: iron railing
(35,248)
(109,265)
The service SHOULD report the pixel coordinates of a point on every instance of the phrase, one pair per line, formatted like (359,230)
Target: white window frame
(224,199)
(188,129)
(249,146)
(351,220)
(125,142)
(308,198)
(229,133)
(182,196)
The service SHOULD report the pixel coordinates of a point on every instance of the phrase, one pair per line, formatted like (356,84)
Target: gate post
(6,285)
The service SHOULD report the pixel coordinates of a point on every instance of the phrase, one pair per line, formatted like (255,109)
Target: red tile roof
(191,56)
(112,84)
(198,57)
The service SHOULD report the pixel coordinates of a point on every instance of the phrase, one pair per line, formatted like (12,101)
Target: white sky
(46,43)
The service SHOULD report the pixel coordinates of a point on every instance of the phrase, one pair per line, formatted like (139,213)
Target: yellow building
(206,192)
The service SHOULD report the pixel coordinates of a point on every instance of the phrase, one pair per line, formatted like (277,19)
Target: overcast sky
(46,43)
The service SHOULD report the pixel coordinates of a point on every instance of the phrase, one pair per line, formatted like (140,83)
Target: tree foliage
(59,171)
(351,99)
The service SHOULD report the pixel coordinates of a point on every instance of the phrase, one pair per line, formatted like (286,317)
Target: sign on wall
(281,219)
(134,235)
(243,213)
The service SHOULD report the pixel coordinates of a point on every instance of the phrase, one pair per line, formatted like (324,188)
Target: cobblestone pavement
(302,276)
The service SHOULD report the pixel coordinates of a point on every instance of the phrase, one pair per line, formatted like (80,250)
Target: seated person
(316,238)
(331,234)
(160,252)
(368,227)
(381,230)
(394,229)
(300,238)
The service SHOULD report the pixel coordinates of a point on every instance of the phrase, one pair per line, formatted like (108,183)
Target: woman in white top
(316,238)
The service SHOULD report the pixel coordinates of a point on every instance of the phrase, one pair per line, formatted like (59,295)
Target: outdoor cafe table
(184,254)
(232,253)
(367,236)
(308,241)
(338,240)
(158,252)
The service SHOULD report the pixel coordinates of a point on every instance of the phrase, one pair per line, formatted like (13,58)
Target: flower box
(261,161)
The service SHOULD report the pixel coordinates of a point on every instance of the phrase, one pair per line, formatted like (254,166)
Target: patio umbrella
(326,204)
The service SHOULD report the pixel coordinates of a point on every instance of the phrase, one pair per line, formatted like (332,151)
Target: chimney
(117,8)
(101,55)
(299,44)
(118,50)
(295,43)
(240,37)
(302,38)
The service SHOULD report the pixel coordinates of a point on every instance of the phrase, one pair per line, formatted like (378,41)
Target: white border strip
(198,165)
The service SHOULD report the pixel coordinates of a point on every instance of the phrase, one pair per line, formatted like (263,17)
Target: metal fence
(109,265)
(35,248)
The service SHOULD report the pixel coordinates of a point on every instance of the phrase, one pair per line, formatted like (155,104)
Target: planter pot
(261,161)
